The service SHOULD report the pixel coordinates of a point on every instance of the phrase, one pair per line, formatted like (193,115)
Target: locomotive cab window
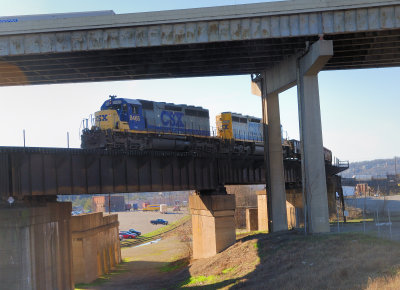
(114,107)
(135,110)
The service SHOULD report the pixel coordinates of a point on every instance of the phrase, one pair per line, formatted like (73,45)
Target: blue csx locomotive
(139,116)
(140,124)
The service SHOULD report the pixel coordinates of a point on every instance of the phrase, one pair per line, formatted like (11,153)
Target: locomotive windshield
(114,107)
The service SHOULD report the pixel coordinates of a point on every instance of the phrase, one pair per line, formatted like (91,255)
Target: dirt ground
(158,265)
(140,221)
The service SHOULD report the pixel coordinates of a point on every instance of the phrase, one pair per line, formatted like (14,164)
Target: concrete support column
(313,166)
(274,161)
(213,223)
(262,210)
(251,219)
(35,247)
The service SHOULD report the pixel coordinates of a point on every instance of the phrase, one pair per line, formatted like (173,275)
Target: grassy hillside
(293,261)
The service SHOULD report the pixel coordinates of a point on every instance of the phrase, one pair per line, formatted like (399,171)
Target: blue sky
(360,108)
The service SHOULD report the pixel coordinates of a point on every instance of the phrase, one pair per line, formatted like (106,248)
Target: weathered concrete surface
(251,219)
(35,247)
(313,164)
(95,245)
(274,160)
(295,198)
(262,210)
(235,22)
(291,215)
(213,224)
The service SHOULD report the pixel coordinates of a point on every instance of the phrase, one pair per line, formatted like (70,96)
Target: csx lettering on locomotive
(101,118)
(172,119)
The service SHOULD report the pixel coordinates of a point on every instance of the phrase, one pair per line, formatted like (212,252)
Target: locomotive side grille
(197,113)
(147,105)
(173,108)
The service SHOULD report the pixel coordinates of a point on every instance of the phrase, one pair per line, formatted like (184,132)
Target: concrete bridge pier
(35,246)
(313,164)
(301,69)
(275,178)
(213,223)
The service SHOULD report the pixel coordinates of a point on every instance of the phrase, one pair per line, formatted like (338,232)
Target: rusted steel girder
(59,171)
(50,171)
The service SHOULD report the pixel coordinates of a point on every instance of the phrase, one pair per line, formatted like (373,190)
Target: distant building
(102,203)
(363,189)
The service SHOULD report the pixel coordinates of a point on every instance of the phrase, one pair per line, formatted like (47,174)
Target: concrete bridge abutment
(35,246)
(95,245)
(213,223)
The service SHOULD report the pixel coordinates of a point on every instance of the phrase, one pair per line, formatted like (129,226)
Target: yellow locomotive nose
(224,126)
(107,119)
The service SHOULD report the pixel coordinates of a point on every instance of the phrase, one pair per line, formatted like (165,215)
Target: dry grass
(292,261)
(390,282)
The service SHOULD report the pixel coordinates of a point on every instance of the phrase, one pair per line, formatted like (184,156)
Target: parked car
(135,232)
(121,237)
(127,235)
(159,222)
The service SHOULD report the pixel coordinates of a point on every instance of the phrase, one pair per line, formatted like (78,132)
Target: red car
(127,235)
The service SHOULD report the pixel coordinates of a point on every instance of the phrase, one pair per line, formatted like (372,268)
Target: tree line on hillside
(378,167)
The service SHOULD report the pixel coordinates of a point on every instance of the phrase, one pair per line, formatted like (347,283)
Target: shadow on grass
(170,273)
(217,285)
(291,260)
(119,269)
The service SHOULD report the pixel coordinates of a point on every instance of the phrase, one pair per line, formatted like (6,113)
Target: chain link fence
(375,215)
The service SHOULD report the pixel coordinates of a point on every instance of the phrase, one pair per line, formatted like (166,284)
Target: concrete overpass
(281,43)
(229,40)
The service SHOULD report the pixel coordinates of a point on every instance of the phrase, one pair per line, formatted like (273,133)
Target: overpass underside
(171,45)
(352,51)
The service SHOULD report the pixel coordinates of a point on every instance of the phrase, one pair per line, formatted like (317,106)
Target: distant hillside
(376,167)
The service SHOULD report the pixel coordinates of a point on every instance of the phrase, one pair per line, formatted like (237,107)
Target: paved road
(372,204)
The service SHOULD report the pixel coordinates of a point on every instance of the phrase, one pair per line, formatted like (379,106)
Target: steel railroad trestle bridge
(59,171)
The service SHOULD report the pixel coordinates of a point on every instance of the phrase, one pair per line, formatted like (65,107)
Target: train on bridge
(134,124)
